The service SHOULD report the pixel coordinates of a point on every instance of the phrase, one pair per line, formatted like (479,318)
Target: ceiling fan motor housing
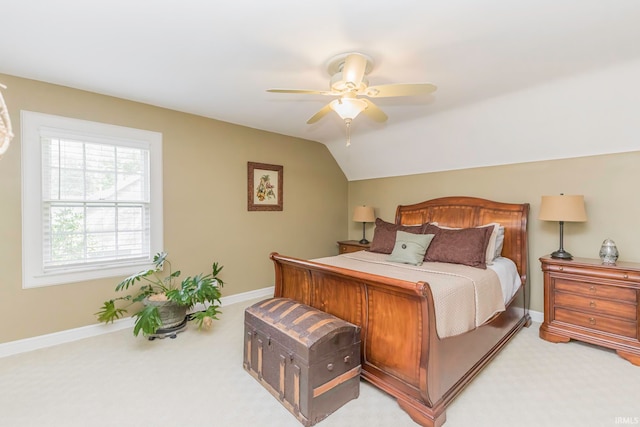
(359,66)
(339,84)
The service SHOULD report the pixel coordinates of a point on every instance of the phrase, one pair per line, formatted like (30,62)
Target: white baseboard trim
(246,296)
(536,316)
(43,341)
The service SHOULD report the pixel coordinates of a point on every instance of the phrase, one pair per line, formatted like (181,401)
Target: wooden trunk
(308,359)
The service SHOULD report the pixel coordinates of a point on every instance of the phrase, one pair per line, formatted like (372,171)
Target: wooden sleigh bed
(401,351)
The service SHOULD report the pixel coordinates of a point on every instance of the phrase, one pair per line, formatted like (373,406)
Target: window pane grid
(95,203)
(88,233)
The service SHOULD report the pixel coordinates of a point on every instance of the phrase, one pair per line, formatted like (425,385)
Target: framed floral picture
(264,187)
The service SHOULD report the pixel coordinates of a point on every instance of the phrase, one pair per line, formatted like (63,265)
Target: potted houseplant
(165,297)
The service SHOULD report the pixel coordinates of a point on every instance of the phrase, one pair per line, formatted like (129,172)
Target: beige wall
(205,204)
(609,184)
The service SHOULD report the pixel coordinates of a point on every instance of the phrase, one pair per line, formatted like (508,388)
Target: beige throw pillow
(410,248)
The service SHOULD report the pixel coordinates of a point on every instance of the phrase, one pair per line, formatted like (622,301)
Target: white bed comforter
(464,297)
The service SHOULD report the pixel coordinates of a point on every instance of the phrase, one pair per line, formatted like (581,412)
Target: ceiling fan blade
(409,89)
(320,114)
(317,92)
(374,112)
(354,68)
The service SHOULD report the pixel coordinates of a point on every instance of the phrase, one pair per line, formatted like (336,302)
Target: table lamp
(364,214)
(562,208)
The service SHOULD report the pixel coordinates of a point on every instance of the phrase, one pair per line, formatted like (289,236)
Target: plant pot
(171,314)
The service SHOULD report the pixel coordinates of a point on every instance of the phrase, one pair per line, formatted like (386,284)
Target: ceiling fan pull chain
(348,123)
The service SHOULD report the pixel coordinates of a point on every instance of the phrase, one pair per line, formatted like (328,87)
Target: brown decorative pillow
(431,228)
(384,235)
(493,239)
(466,246)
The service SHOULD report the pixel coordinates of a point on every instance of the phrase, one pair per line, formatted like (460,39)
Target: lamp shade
(364,214)
(562,208)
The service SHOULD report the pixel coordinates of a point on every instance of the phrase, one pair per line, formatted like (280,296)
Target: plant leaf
(159,259)
(131,280)
(216,269)
(211,311)
(144,292)
(147,320)
(109,312)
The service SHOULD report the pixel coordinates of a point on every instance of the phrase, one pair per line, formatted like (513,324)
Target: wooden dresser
(346,246)
(592,302)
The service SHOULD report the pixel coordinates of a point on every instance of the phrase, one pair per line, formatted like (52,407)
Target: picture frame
(264,187)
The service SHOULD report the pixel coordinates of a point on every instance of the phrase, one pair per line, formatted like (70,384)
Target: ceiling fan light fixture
(348,108)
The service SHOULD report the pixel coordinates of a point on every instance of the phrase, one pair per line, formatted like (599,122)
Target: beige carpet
(197,380)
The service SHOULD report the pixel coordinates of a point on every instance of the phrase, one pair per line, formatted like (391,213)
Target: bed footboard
(396,318)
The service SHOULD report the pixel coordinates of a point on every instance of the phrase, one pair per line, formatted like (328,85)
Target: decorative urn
(608,252)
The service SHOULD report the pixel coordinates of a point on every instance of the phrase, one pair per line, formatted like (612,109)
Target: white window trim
(32,267)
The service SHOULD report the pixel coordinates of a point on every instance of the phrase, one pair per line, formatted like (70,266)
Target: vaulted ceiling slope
(517,80)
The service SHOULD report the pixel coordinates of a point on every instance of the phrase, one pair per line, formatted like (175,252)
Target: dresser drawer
(593,321)
(599,271)
(348,246)
(345,249)
(601,306)
(601,291)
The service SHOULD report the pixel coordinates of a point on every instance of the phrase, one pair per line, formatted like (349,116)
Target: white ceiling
(216,59)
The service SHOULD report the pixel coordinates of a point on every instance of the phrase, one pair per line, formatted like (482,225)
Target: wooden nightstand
(346,246)
(592,302)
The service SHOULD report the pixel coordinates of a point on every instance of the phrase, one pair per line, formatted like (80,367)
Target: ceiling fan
(348,82)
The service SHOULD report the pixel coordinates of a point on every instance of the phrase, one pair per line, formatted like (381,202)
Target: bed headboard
(470,212)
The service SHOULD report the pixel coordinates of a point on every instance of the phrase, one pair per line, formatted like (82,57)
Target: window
(92,199)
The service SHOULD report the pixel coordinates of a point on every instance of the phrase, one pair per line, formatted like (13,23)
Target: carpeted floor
(197,380)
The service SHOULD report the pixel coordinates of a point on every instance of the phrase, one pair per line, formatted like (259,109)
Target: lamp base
(562,254)
(364,242)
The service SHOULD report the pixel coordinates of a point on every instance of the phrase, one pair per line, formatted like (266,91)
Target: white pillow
(491,247)
(499,242)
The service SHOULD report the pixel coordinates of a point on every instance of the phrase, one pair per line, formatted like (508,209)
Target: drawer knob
(592,303)
(330,367)
(626,276)
(592,320)
(561,268)
(592,288)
